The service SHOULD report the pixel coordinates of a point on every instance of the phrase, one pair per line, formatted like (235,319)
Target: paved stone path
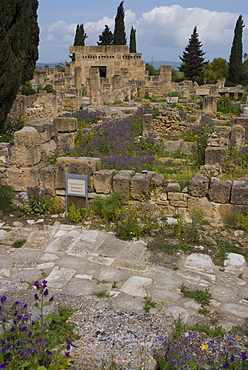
(82,262)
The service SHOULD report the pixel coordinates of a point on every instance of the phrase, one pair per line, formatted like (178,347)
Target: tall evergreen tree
(235,59)
(19,39)
(132,44)
(193,58)
(80,36)
(119,31)
(107,37)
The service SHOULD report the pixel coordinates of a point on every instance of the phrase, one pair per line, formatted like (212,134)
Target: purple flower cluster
(86,115)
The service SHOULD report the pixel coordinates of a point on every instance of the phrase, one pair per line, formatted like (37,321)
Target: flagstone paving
(79,262)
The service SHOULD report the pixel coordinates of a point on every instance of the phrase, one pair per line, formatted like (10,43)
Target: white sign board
(77,186)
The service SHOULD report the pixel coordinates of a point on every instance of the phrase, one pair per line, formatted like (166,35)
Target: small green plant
(231,221)
(77,214)
(243,221)
(6,196)
(109,208)
(49,88)
(27,89)
(149,303)
(8,129)
(200,296)
(114,285)
(101,294)
(129,225)
(18,243)
(221,251)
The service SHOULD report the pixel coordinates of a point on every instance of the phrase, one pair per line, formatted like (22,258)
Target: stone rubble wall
(22,165)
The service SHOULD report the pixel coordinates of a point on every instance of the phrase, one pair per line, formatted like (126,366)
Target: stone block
(4,154)
(219,190)
(103,181)
(210,209)
(235,263)
(227,210)
(80,166)
(65,124)
(140,185)
(66,139)
(47,178)
(162,199)
(239,193)
(178,199)
(22,178)
(215,155)
(198,186)
(223,131)
(187,147)
(147,124)
(45,128)
(238,136)
(158,179)
(173,187)
(27,147)
(122,183)
(172,145)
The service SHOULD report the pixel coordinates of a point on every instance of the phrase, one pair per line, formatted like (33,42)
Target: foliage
(119,30)
(39,201)
(132,44)
(18,243)
(243,220)
(200,296)
(27,89)
(221,251)
(9,127)
(108,207)
(42,343)
(151,70)
(149,303)
(202,133)
(225,106)
(85,116)
(49,88)
(235,59)
(107,37)
(193,58)
(101,294)
(19,39)
(6,196)
(177,76)
(80,36)
(215,70)
(77,214)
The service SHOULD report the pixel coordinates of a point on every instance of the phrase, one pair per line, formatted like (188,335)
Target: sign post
(76,186)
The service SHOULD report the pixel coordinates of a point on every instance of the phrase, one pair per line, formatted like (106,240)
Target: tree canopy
(119,30)
(19,39)
(235,59)
(80,36)
(215,70)
(193,58)
(132,44)
(107,37)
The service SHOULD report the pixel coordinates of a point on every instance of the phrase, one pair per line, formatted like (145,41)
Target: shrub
(49,89)
(27,89)
(109,208)
(19,243)
(77,214)
(243,220)
(8,129)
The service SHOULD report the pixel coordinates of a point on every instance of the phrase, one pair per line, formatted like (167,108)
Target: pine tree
(235,59)
(119,31)
(19,38)
(193,58)
(132,45)
(80,36)
(107,37)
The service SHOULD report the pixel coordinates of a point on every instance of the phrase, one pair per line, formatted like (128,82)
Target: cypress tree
(193,58)
(107,37)
(19,38)
(235,59)
(132,44)
(80,36)
(119,31)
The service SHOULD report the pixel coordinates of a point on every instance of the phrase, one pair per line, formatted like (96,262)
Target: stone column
(147,124)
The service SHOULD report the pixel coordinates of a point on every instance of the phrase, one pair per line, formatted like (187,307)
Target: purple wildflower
(36,296)
(244,356)
(46,293)
(3,366)
(48,352)
(3,298)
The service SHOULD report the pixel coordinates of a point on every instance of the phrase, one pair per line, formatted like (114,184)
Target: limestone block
(227,210)
(239,193)
(122,183)
(27,147)
(168,211)
(172,145)
(66,139)
(215,154)
(65,124)
(223,131)
(45,128)
(80,166)
(49,146)
(178,199)
(198,186)
(22,178)
(235,263)
(147,124)
(219,190)
(47,178)
(173,187)
(187,147)
(158,180)
(197,261)
(4,154)
(238,136)
(103,181)
(210,209)
(140,185)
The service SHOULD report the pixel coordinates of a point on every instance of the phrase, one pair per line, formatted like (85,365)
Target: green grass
(18,243)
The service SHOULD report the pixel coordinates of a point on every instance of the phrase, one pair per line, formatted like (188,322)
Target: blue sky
(163,27)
